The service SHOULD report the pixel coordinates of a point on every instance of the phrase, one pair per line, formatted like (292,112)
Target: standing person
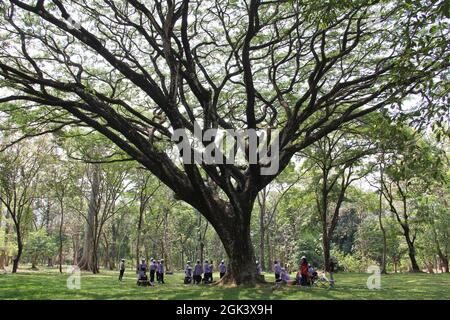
(277,270)
(121,269)
(207,271)
(222,269)
(188,273)
(160,271)
(258,268)
(332,267)
(157,270)
(198,271)
(153,267)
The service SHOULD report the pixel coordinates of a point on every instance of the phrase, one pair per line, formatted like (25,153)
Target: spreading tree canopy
(136,70)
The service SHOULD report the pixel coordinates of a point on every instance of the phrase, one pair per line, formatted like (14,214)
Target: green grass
(49,284)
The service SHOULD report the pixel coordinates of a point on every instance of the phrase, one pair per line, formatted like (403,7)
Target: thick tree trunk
(234,231)
(444,261)
(241,269)
(87,259)
(34,263)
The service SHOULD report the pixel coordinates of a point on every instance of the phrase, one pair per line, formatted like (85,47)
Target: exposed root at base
(231,282)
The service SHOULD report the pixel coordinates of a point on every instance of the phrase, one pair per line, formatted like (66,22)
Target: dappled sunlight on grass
(49,284)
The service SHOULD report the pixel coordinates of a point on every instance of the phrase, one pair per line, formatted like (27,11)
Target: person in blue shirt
(188,273)
(198,271)
(277,270)
(258,268)
(160,272)
(207,272)
(222,269)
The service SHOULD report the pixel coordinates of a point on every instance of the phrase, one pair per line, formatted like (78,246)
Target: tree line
(357,195)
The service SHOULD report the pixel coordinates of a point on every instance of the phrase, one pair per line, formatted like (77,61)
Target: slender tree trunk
(2,251)
(75,247)
(380,220)
(19,251)
(442,257)
(409,242)
(412,253)
(113,254)
(269,251)
(138,238)
(326,252)
(61,224)
(262,210)
(2,259)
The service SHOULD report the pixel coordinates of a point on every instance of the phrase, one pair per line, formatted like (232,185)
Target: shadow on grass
(48,284)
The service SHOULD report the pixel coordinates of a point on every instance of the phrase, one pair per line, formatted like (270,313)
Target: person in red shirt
(304,271)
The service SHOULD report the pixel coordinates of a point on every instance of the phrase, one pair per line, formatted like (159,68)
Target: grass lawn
(49,284)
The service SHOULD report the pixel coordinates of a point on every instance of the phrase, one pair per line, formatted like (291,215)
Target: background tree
(19,169)
(338,163)
(409,172)
(39,246)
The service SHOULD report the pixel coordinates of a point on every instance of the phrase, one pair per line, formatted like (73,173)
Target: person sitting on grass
(258,268)
(298,279)
(121,269)
(284,277)
(142,269)
(188,273)
(142,274)
(312,273)
(198,271)
(222,269)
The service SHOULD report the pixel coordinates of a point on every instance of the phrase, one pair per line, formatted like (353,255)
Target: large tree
(136,70)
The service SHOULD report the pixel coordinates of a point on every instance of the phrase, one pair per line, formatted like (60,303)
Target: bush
(355,262)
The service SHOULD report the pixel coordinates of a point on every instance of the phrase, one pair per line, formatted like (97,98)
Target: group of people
(306,275)
(194,276)
(156,268)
